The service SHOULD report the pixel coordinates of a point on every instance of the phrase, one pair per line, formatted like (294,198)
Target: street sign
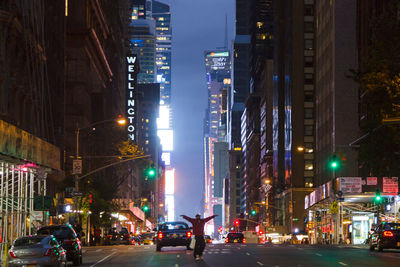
(76,194)
(77,166)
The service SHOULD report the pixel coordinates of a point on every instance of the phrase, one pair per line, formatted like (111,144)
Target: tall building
(162,16)
(218,69)
(336,95)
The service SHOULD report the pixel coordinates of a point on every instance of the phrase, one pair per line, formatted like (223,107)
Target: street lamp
(120,120)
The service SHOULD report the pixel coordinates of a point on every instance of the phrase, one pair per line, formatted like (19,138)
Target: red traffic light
(237,223)
(90,199)
(260,232)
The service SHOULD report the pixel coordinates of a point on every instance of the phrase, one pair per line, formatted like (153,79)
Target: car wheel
(158,248)
(379,246)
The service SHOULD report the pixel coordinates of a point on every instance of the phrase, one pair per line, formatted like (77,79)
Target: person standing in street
(198,232)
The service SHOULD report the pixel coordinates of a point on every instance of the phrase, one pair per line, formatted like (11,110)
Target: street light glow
(121,121)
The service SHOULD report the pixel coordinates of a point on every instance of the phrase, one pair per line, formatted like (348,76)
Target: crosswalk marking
(98,250)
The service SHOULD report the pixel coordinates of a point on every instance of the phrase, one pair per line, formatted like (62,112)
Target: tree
(379,80)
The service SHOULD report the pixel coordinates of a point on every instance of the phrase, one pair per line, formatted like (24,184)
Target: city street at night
(241,255)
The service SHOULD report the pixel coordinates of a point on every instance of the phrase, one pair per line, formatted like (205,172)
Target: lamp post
(121,121)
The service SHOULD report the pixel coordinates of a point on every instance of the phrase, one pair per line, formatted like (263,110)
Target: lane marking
(318,254)
(114,249)
(260,263)
(103,259)
(98,250)
(248,254)
(176,265)
(83,250)
(299,248)
(342,263)
(178,256)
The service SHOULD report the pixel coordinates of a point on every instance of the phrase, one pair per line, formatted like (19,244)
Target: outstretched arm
(210,218)
(187,218)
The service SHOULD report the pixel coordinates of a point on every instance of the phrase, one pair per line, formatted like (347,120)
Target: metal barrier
(18,186)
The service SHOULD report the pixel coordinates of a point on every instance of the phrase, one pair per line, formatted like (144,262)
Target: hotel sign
(131,95)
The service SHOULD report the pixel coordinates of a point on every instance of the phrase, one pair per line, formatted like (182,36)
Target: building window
(308,10)
(308,113)
(308,27)
(308,130)
(237,192)
(308,44)
(238,201)
(308,96)
(309,78)
(308,165)
(308,182)
(238,210)
(308,62)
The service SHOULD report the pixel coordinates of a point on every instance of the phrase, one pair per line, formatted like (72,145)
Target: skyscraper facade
(218,69)
(162,17)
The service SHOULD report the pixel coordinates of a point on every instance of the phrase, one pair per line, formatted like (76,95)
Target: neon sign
(131,70)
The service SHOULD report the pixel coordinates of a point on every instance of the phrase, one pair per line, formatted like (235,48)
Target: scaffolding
(18,187)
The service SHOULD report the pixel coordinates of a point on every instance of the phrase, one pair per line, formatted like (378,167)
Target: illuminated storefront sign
(131,70)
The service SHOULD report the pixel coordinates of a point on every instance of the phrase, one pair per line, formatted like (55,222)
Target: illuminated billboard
(170,182)
(166,157)
(166,139)
(163,121)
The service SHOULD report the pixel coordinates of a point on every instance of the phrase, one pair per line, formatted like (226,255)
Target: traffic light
(378,195)
(260,232)
(90,199)
(145,208)
(334,162)
(151,172)
(237,223)
(253,212)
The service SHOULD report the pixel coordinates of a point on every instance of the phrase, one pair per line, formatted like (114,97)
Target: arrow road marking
(318,254)
(248,254)
(342,263)
(259,263)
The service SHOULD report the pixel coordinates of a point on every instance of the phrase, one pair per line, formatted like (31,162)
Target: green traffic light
(146,208)
(152,172)
(334,164)
(378,198)
(253,212)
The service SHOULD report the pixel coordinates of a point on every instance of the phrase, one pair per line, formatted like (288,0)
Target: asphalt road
(247,255)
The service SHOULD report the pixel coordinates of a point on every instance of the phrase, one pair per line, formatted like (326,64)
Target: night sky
(197,25)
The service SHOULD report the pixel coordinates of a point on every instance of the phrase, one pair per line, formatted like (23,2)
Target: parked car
(125,236)
(173,234)
(67,238)
(113,237)
(234,237)
(37,250)
(386,235)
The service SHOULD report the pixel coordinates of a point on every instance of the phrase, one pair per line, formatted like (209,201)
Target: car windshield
(391,226)
(174,226)
(235,235)
(28,241)
(58,232)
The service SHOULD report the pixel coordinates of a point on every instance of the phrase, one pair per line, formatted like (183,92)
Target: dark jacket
(198,224)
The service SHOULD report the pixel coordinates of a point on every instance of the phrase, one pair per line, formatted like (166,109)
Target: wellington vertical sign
(131,95)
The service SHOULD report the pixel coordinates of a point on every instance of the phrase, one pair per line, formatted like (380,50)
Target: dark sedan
(235,238)
(173,234)
(386,235)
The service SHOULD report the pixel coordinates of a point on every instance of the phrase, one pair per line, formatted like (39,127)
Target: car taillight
(12,254)
(226,240)
(160,235)
(47,253)
(189,234)
(244,240)
(388,233)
